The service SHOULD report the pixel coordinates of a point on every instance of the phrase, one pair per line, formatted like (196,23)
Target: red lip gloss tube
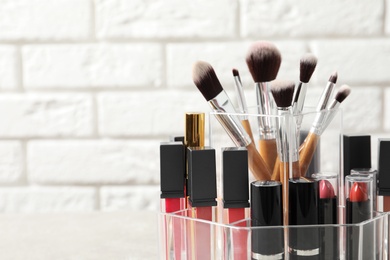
(202,192)
(172,182)
(359,208)
(235,199)
(328,214)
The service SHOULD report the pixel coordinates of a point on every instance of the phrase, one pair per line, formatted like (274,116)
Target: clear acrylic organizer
(184,237)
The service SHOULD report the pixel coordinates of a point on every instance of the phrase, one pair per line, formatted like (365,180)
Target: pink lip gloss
(172,181)
(235,197)
(202,192)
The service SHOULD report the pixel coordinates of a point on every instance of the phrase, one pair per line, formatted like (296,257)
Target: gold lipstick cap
(194,132)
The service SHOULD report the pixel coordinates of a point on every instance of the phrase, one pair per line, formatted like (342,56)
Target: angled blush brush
(319,125)
(263,60)
(208,84)
(242,103)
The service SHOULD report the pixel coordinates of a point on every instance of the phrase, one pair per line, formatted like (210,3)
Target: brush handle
(285,175)
(276,172)
(257,165)
(268,151)
(247,126)
(306,151)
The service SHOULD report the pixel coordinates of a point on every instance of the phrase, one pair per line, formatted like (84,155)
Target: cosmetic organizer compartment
(183,235)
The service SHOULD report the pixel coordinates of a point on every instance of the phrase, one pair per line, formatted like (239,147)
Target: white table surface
(109,236)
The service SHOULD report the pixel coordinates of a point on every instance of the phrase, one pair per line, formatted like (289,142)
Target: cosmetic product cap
(266,203)
(358,187)
(194,129)
(384,167)
(172,169)
(357,152)
(235,177)
(303,200)
(202,183)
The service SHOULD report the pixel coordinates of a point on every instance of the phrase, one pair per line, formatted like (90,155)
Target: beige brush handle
(257,165)
(276,171)
(284,177)
(268,151)
(247,126)
(307,151)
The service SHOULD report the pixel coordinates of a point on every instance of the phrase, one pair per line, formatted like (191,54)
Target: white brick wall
(88,88)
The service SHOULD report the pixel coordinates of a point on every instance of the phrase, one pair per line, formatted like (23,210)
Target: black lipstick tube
(304,243)
(359,208)
(267,210)
(327,214)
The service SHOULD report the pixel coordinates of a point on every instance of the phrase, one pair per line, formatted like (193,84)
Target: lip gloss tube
(359,208)
(235,199)
(267,211)
(304,243)
(327,214)
(172,181)
(202,187)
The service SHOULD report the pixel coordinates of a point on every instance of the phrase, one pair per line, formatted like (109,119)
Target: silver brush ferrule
(241,98)
(325,96)
(301,98)
(332,111)
(229,121)
(287,141)
(318,124)
(266,107)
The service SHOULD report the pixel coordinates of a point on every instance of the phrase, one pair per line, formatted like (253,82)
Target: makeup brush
(208,84)
(307,66)
(321,122)
(327,93)
(287,145)
(242,103)
(263,60)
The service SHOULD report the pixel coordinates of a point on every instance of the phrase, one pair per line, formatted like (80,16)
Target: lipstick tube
(374,175)
(304,242)
(235,199)
(267,211)
(358,192)
(327,214)
(202,188)
(172,179)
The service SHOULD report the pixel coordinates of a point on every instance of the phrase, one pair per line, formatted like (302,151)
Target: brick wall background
(88,88)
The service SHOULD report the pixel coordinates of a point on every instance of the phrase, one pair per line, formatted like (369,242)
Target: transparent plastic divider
(369,239)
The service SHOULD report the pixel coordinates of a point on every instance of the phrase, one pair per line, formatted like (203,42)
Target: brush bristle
(343,93)
(333,77)
(283,92)
(263,60)
(235,72)
(206,80)
(307,66)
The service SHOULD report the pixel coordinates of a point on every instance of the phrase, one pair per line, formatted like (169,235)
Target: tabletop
(74,236)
